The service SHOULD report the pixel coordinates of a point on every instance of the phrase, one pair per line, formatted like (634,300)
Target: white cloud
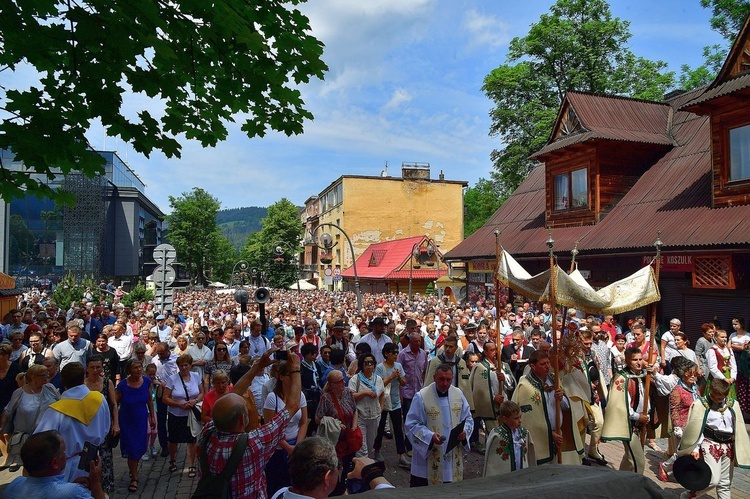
(399,96)
(485,31)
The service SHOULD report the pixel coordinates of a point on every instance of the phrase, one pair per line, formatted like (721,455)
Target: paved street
(157,482)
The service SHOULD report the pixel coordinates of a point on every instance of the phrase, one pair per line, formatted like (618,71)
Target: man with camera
(44,460)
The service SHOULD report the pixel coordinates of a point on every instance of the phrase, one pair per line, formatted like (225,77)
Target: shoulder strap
(234,458)
(338,408)
(232,463)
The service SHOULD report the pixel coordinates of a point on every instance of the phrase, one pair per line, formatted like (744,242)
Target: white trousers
(719,458)
(369,429)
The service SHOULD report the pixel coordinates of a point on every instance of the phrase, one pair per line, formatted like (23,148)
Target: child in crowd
(509,446)
(151,431)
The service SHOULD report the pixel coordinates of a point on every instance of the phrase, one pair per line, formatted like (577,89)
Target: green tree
(577,46)
(481,201)
(138,294)
(281,228)
(194,234)
(728,17)
(203,63)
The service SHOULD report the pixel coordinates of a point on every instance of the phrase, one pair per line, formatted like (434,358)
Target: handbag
(194,414)
(350,439)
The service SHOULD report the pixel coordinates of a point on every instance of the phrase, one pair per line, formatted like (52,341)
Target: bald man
(229,419)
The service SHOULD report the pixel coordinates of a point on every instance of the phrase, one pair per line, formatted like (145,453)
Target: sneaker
(404,462)
(146,457)
(379,456)
(388,435)
(154,452)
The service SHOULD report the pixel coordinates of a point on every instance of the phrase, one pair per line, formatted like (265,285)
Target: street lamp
(239,272)
(280,253)
(326,243)
(416,253)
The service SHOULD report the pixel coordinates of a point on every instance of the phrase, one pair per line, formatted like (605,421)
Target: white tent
(303,285)
(217,284)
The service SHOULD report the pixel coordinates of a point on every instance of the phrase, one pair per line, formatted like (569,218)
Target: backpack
(217,486)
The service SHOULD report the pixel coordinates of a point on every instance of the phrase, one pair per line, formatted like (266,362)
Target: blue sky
(404,85)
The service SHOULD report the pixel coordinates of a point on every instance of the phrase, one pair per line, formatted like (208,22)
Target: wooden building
(617,172)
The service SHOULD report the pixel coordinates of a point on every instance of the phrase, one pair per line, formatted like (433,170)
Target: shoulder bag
(217,486)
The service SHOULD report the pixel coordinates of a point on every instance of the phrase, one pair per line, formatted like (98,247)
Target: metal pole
(652,346)
(497,286)
(556,357)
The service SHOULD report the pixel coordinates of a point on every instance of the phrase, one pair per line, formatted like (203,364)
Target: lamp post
(328,243)
(280,253)
(497,283)
(416,253)
(239,272)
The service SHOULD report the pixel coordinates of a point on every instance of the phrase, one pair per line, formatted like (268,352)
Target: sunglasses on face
(368,363)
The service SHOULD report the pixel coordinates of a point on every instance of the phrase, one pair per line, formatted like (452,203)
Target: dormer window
(739,154)
(571,190)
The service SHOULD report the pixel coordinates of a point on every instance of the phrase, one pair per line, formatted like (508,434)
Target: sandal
(133,487)
(172,467)
(191,472)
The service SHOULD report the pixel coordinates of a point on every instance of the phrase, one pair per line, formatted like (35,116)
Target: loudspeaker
(262,295)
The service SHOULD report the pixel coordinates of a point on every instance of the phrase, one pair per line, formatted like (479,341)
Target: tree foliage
(281,228)
(578,45)
(193,66)
(138,294)
(481,201)
(195,236)
(727,19)
(727,16)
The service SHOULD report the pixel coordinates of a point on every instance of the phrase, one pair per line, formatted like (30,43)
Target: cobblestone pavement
(155,480)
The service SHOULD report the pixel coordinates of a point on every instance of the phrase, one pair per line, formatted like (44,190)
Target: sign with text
(673,263)
(483,267)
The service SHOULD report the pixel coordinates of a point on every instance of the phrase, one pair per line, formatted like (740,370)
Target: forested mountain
(237,223)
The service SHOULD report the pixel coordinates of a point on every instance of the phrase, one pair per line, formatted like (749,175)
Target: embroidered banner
(634,291)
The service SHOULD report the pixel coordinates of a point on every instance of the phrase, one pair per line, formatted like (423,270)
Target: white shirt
(273,403)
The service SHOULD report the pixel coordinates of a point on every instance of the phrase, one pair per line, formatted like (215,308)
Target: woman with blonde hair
(338,402)
(183,392)
(26,406)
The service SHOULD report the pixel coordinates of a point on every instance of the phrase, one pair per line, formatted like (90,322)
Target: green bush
(138,294)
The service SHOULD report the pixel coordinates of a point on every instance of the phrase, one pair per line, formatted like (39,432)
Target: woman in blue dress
(136,413)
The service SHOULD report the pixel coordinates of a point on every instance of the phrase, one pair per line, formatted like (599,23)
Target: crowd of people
(316,373)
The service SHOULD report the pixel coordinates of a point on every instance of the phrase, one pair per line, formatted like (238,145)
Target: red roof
(673,195)
(390,260)
(611,118)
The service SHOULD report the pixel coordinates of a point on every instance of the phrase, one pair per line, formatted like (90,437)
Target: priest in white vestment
(434,412)
(80,416)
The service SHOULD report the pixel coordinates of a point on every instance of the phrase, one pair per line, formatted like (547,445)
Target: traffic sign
(165,275)
(327,271)
(337,271)
(337,278)
(164,254)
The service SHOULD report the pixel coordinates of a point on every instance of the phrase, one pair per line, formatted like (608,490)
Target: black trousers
(405,406)
(161,422)
(397,425)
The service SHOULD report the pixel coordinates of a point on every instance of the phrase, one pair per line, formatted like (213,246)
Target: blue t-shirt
(384,371)
(25,487)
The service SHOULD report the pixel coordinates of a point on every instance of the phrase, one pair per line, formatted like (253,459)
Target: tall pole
(497,289)
(555,343)
(652,344)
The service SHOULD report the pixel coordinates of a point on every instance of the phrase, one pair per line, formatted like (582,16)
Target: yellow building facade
(373,209)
